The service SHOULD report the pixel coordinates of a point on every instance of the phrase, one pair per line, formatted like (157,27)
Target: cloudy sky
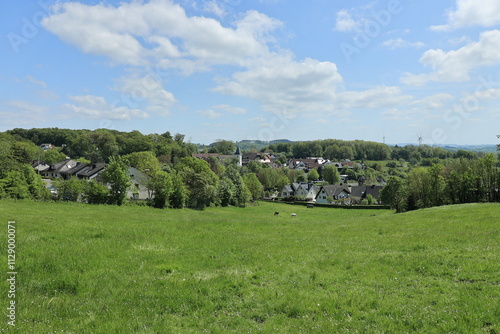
(262,69)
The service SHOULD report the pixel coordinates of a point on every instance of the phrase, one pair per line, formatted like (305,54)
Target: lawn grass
(107,269)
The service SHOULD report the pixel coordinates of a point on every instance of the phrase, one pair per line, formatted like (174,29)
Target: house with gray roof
(303,189)
(335,192)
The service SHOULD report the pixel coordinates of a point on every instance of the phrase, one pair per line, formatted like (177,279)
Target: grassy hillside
(101,269)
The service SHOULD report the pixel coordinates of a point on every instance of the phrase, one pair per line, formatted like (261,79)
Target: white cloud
(36,82)
(214,8)
(345,22)
(455,65)
(178,40)
(96,107)
(399,43)
(39,86)
(18,113)
(27,107)
(209,113)
(472,102)
(148,91)
(230,109)
(286,86)
(436,101)
(484,13)
(48,94)
(459,40)
(396,114)
(378,97)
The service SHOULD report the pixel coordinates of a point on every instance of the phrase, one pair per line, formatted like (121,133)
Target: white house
(306,190)
(334,191)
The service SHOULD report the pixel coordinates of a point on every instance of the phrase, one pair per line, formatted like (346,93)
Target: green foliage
(313,175)
(272,178)
(24,152)
(95,192)
(52,156)
(301,178)
(23,183)
(162,189)
(225,191)
(254,186)
(199,180)
(331,174)
(178,196)
(224,147)
(395,194)
(240,196)
(369,199)
(101,144)
(13,185)
(116,174)
(68,190)
(145,161)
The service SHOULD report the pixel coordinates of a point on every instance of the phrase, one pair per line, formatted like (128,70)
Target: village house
(46,147)
(358,193)
(333,192)
(68,168)
(305,164)
(308,191)
(139,181)
(89,171)
(264,158)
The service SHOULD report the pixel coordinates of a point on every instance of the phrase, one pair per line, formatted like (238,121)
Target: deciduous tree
(116,175)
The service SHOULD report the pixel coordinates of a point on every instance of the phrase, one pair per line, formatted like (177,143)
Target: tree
(162,188)
(346,152)
(22,183)
(301,178)
(35,184)
(487,176)
(145,161)
(253,184)
(116,174)
(68,190)
(178,195)
(14,186)
(225,191)
(224,147)
(199,180)
(95,193)
(240,197)
(419,185)
(395,193)
(52,156)
(369,199)
(313,175)
(105,145)
(437,185)
(331,174)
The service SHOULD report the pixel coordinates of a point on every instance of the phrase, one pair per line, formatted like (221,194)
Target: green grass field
(106,269)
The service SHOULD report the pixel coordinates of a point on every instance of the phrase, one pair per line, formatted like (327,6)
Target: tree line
(458,181)
(417,176)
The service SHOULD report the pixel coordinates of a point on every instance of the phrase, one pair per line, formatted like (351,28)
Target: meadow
(107,269)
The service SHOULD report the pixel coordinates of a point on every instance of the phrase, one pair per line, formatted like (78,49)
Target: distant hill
(473,148)
(249,145)
(454,147)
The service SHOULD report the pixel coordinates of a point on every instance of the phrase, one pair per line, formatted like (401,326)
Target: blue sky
(266,69)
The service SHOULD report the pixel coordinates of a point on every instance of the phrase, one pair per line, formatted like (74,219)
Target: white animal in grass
(294,215)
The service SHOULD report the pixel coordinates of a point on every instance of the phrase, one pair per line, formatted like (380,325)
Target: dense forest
(414,176)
